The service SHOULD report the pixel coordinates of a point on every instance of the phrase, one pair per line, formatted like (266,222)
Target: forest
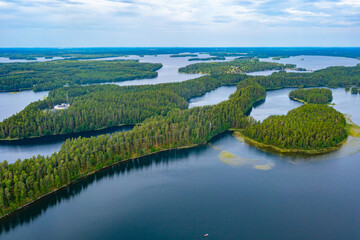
(40,76)
(101,106)
(261,52)
(183,55)
(309,127)
(25,181)
(239,65)
(355,90)
(207,59)
(312,95)
(329,77)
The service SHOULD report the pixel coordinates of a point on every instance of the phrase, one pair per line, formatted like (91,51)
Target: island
(207,59)
(312,95)
(354,90)
(311,129)
(183,55)
(40,76)
(238,65)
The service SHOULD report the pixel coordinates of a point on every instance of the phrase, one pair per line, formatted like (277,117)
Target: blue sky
(182,23)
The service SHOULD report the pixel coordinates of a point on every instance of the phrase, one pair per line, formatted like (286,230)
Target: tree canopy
(312,95)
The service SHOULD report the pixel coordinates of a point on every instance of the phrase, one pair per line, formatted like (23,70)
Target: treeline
(312,95)
(329,77)
(183,55)
(40,76)
(239,65)
(25,181)
(102,106)
(207,59)
(309,127)
(355,90)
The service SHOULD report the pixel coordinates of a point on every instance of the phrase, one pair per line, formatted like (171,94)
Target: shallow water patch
(238,161)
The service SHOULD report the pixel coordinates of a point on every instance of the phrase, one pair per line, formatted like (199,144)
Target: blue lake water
(315,62)
(39,59)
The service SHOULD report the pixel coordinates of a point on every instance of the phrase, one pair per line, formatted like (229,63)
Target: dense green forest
(329,77)
(355,90)
(309,127)
(102,106)
(40,76)
(207,59)
(313,95)
(261,52)
(25,181)
(33,121)
(183,55)
(239,65)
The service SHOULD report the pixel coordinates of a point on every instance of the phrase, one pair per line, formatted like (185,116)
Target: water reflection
(45,146)
(32,212)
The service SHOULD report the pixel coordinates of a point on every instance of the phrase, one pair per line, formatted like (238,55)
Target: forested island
(184,55)
(312,95)
(239,65)
(40,76)
(207,59)
(311,128)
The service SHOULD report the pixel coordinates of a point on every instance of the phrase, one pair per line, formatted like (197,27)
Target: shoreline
(278,150)
(67,135)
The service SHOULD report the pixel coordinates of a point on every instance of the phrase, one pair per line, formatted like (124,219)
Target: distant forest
(40,76)
(261,52)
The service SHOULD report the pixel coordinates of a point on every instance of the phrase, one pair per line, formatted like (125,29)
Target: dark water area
(183,194)
(45,146)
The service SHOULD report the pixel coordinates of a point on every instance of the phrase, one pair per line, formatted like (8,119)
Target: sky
(179,23)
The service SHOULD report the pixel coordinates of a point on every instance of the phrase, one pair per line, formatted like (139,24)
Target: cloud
(133,17)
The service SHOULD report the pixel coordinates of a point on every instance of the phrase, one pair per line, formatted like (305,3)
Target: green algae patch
(265,167)
(237,161)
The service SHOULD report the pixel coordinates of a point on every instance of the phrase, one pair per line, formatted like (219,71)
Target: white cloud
(161,17)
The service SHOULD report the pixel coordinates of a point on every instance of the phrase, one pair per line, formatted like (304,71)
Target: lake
(315,62)
(38,59)
(184,194)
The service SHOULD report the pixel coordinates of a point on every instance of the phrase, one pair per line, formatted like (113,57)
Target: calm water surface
(315,62)
(213,97)
(184,194)
(39,59)
(11,103)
